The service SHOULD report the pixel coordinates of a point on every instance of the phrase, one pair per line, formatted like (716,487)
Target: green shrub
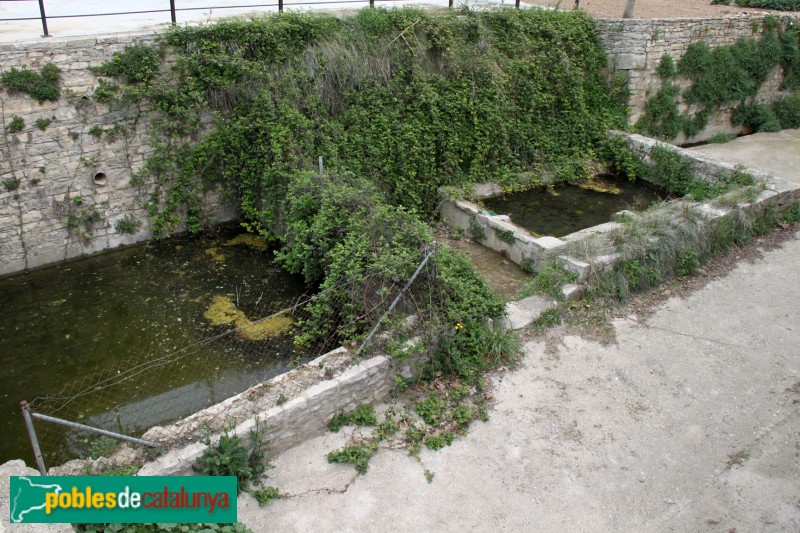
(505,235)
(662,117)
(17,124)
(41,86)
(474,100)
(114,132)
(549,280)
(358,455)
(363,415)
(666,68)
(778,5)
(470,348)
(432,409)
(759,116)
(82,218)
(787,111)
(721,138)
(617,155)
(42,123)
(11,184)
(728,73)
(476,231)
(687,263)
(672,171)
(106,91)
(135,64)
(790,43)
(229,457)
(128,225)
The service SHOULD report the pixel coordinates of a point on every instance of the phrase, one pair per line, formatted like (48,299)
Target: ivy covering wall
(396,102)
(704,79)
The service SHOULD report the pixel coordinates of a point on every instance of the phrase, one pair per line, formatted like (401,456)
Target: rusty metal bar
(90,429)
(37,451)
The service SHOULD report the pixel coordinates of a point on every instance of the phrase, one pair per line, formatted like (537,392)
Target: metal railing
(173,10)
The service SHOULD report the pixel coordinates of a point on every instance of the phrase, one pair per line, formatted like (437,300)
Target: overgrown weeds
(443,410)
(231,457)
(727,74)
(675,241)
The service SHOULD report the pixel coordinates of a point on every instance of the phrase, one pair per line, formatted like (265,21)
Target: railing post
(450,4)
(44,18)
(372,4)
(280,6)
(26,414)
(516,4)
(172,12)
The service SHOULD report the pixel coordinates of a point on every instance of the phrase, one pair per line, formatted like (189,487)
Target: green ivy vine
(725,74)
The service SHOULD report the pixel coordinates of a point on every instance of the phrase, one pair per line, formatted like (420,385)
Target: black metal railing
(173,10)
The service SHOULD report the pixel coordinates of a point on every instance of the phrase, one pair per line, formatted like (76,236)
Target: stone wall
(635,47)
(56,167)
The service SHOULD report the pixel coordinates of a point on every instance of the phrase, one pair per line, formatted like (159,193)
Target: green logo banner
(122,499)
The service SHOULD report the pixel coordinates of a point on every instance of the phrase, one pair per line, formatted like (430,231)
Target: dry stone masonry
(635,48)
(61,175)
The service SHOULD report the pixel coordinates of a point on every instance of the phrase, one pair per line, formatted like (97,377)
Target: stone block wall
(56,167)
(635,48)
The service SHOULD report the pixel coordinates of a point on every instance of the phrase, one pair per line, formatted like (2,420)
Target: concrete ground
(776,153)
(691,422)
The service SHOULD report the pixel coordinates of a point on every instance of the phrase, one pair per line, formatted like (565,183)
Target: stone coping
(530,252)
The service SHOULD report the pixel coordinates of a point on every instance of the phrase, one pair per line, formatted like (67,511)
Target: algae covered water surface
(563,209)
(132,308)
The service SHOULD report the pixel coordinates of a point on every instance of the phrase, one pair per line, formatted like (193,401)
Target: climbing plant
(408,100)
(722,75)
(397,103)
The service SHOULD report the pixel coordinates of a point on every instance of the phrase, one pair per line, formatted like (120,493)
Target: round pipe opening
(100,179)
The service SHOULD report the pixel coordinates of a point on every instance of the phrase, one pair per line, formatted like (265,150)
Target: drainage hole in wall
(100,179)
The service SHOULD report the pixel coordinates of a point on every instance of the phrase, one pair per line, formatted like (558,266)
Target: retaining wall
(289,409)
(56,166)
(635,47)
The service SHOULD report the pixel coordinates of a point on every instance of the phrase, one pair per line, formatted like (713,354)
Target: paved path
(640,436)
(775,153)
(191,12)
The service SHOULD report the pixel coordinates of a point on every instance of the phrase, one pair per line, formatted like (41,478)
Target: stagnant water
(64,324)
(563,209)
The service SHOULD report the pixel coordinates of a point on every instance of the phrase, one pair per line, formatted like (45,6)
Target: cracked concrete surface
(640,436)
